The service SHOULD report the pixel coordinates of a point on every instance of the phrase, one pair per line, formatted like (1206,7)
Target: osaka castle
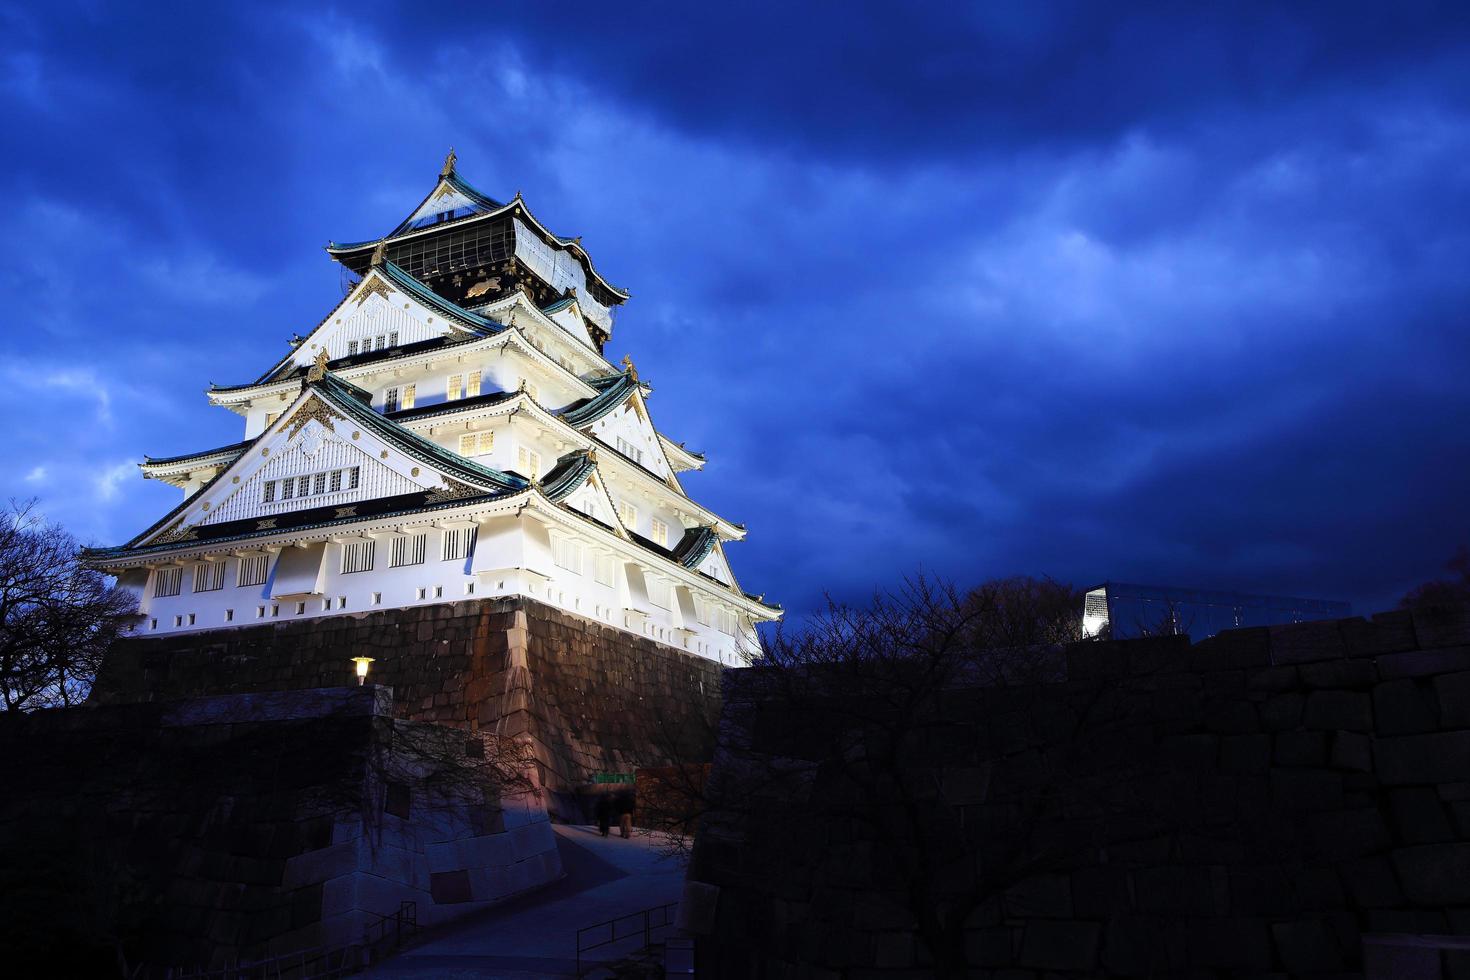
(451,430)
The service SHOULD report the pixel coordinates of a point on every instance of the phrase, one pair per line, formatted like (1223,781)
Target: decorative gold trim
(345,512)
(375,286)
(179,532)
(452,490)
(316,409)
(265,525)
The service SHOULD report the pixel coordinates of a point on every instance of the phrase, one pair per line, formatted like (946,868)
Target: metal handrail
(339,962)
(406,919)
(663,912)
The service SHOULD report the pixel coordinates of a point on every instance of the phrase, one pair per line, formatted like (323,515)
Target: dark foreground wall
(208,831)
(593,699)
(1251,805)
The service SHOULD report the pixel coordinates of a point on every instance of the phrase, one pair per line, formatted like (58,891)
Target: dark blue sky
(1153,295)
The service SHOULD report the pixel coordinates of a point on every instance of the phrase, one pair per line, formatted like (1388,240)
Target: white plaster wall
(512,557)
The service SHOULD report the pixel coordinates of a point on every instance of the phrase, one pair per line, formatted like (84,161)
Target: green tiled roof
(613,391)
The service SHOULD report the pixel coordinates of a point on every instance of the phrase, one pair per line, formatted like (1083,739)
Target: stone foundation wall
(208,831)
(591,698)
(1252,805)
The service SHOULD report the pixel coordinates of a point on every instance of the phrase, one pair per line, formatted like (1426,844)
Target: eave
(317,524)
(515,208)
(176,470)
(424,352)
(729,530)
(680,458)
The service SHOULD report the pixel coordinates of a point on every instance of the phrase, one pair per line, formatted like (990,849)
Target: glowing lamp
(362,668)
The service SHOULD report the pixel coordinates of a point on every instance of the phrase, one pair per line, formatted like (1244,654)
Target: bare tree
(57,617)
(917,749)
(1451,591)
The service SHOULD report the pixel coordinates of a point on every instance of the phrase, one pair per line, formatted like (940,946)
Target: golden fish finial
(628,366)
(319,366)
(449,162)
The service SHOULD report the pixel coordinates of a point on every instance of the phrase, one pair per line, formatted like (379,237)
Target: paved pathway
(535,936)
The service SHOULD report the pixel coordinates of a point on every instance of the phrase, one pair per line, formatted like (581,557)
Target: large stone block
(1229,944)
(1435,874)
(1391,632)
(1453,691)
(1407,759)
(1060,945)
(1419,817)
(1442,626)
(493,851)
(1307,946)
(1301,749)
(1339,710)
(1405,706)
(1300,643)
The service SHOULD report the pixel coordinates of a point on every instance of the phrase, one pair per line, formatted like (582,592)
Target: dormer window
(390,400)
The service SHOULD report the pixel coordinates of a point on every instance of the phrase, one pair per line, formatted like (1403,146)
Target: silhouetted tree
(57,617)
(1451,591)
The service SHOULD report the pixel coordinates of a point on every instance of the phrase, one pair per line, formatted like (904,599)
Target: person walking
(604,813)
(625,818)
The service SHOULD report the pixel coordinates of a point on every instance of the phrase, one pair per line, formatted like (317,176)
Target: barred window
(351,348)
(567,553)
(472,384)
(606,569)
(459,542)
(393,339)
(168,581)
(252,570)
(408,395)
(408,550)
(476,443)
(455,386)
(270,491)
(319,483)
(529,460)
(629,450)
(336,483)
(459,251)
(660,532)
(628,514)
(390,400)
(357,556)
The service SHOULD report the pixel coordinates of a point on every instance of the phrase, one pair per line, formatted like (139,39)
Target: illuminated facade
(450,430)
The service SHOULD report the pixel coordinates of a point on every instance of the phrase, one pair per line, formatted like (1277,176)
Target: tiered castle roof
(488,276)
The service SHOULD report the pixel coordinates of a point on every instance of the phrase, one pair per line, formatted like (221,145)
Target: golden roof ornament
(629,368)
(380,254)
(449,162)
(318,367)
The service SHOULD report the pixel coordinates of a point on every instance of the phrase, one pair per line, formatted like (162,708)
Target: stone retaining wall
(1251,805)
(591,698)
(200,832)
